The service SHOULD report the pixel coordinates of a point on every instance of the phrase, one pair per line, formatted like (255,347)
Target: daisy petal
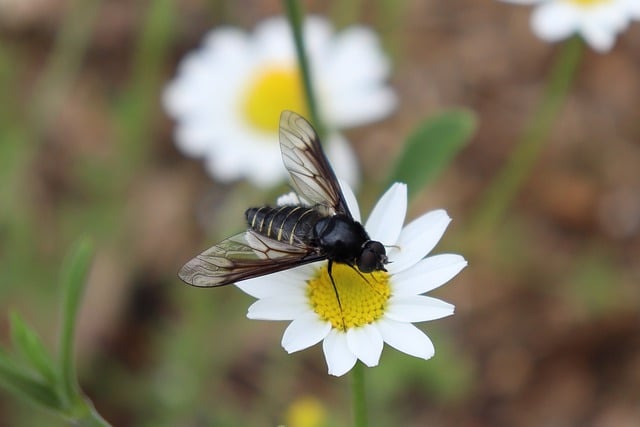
(386,219)
(406,338)
(304,331)
(417,239)
(288,282)
(272,285)
(351,200)
(366,343)
(428,274)
(343,159)
(278,308)
(339,358)
(599,37)
(418,308)
(523,1)
(554,21)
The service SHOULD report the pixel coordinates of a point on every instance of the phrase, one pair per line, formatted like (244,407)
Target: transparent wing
(244,256)
(311,174)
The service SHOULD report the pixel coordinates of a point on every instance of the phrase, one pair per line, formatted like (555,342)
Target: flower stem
(295,16)
(358,396)
(506,184)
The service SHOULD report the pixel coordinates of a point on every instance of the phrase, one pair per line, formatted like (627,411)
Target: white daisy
(597,21)
(374,308)
(228,95)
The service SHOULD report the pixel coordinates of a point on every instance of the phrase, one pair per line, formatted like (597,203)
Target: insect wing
(312,175)
(241,257)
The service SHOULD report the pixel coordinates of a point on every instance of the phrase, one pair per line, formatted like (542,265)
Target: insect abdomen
(285,223)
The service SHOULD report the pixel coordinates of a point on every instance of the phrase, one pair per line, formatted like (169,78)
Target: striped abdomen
(285,223)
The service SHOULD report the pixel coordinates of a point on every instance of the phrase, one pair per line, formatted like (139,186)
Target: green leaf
(31,348)
(431,147)
(73,278)
(20,383)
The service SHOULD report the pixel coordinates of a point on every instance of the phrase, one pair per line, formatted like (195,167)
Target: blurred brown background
(546,331)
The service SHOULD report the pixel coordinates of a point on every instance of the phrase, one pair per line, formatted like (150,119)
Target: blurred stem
(358,396)
(296,17)
(506,184)
(139,103)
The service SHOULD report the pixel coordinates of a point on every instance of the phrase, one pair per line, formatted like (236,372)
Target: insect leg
(335,289)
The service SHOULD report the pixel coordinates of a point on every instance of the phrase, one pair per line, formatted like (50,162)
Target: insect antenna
(363,277)
(335,289)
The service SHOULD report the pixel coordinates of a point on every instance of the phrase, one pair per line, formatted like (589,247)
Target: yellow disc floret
(272,90)
(363,297)
(588,2)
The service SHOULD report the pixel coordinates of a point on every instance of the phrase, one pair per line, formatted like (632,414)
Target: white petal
(417,308)
(417,239)
(283,283)
(598,38)
(362,106)
(343,159)
(359,94)
(289,199)
(387,217)
(554,21)
(524,1)
(427,274)
(278,308)
(406,338)
(305,331)
(351,200)
(366,343)
(339,358)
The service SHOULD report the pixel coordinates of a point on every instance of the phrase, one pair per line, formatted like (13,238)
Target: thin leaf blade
(431,147)
(29,345)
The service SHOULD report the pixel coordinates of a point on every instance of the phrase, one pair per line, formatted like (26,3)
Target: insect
(283,237)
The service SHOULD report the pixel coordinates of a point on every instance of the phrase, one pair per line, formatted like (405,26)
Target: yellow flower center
(306,412)
(587,3)
(272,90)
(363,297)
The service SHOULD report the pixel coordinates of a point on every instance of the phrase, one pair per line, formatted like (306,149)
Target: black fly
(284,237)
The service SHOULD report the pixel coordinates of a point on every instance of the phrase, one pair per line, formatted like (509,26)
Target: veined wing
(312,175)
(243,256)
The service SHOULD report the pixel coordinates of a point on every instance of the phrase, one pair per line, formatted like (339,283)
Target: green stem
(506,184)
(295,16)
(358,396)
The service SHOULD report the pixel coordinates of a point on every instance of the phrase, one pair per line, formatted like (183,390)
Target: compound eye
(367,261)
(373,257)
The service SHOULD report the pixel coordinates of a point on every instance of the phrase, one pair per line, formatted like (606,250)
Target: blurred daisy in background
(598,22)
(374,308)
(228,95)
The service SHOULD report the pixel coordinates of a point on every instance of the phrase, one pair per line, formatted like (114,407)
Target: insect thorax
(287,223)
(340,237)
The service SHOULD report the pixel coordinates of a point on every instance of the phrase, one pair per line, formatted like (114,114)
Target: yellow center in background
(273,90)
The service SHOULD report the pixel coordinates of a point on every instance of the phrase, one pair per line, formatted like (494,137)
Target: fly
(319,227)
